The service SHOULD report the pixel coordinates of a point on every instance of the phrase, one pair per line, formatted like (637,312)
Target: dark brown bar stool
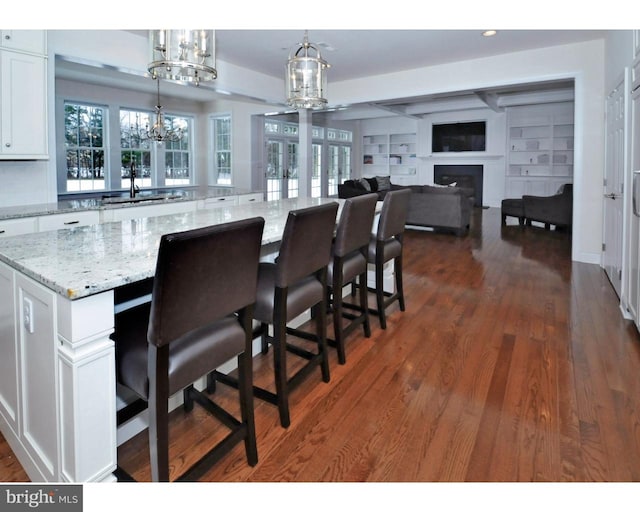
(294,283)
(386,245)
(200,317)
(349,262)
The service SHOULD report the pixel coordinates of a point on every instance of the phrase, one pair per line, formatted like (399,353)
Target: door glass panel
(292,169)
(345,163)
(333,170)
(275,169)
(316,171)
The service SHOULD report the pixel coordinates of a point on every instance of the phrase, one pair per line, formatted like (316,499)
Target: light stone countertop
(96,203)
(83,261)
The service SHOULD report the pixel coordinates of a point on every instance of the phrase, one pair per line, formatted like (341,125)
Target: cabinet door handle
(7,36)
(7,144)
(2,231)
(634,193)
(71,222)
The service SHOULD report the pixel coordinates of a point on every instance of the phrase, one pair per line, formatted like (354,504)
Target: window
(85,147)
(222,150)
(84,127)
(134,148)
(176,154)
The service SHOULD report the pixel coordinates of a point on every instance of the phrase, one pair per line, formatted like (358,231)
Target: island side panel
(87,388)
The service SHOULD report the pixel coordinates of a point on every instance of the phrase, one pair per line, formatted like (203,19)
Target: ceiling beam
(490,100)
(399,111)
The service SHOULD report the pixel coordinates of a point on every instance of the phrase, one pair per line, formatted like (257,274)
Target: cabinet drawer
(258,197)
(17,226)
(219,202)
(68,220)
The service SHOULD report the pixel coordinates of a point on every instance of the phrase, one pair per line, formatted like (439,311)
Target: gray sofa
(442,208)
(438,207)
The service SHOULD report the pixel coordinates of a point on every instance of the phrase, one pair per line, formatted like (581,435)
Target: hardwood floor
(511,363)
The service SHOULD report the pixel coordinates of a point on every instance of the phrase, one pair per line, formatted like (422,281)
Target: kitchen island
(57,303)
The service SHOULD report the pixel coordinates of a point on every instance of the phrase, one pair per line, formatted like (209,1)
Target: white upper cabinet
(23,99)
(30,41)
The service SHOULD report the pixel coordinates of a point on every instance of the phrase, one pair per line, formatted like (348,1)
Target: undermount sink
(139,199)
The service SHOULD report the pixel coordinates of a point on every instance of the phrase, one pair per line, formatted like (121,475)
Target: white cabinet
(218,202)
(23,106)
(539,148)
(31,41)
(68,220)
(257,197)
(37,378)
(518,187)
(21,226)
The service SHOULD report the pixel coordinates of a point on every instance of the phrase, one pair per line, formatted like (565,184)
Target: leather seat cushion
(353,265)
(391,249)
(190,357)
(301,296)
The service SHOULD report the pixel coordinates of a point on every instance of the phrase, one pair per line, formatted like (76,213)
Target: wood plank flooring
(511,363)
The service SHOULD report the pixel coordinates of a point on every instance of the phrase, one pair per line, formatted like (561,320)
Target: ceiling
(358,53)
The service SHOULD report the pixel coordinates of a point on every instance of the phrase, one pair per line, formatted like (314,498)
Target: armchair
(556,209)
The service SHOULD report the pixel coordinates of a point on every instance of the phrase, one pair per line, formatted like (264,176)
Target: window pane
(84,140)
(222,150)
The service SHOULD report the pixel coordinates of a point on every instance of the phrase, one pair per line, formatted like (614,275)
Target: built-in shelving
(539,148)
(389,155)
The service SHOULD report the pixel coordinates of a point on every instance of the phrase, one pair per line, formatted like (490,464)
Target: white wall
(583,62)
(618,55)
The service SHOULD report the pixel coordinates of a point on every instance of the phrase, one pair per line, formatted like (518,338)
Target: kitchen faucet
(133,188)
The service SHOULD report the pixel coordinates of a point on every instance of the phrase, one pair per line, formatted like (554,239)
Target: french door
(282,169)
(339,167)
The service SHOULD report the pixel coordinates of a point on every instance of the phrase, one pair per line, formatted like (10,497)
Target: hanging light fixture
(306,81)
(160,132)
(183,55)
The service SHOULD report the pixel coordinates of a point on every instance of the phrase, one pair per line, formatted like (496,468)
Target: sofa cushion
(384,182)
(365,184)
(355,184)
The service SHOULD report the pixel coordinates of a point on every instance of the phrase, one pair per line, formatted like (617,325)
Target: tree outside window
(222,150)
(135,148)
(84,147)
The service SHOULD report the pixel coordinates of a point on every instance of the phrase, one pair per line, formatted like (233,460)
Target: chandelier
(306,81)
(183,55)
(160,132)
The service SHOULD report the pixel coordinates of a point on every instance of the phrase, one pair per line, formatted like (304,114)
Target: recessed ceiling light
(489,33)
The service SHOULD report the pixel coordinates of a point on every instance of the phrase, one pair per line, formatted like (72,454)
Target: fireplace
(469,176)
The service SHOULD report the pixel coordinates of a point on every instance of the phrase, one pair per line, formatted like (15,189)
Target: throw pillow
(373,183)
(365,184)
(384,182)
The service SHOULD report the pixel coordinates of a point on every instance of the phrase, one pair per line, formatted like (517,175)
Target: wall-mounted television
(453,137)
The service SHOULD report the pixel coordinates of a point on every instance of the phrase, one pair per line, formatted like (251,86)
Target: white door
(613,186)
(634,225)
(282,169)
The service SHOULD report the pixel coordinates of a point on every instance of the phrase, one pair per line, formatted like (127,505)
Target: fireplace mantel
(471,155)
